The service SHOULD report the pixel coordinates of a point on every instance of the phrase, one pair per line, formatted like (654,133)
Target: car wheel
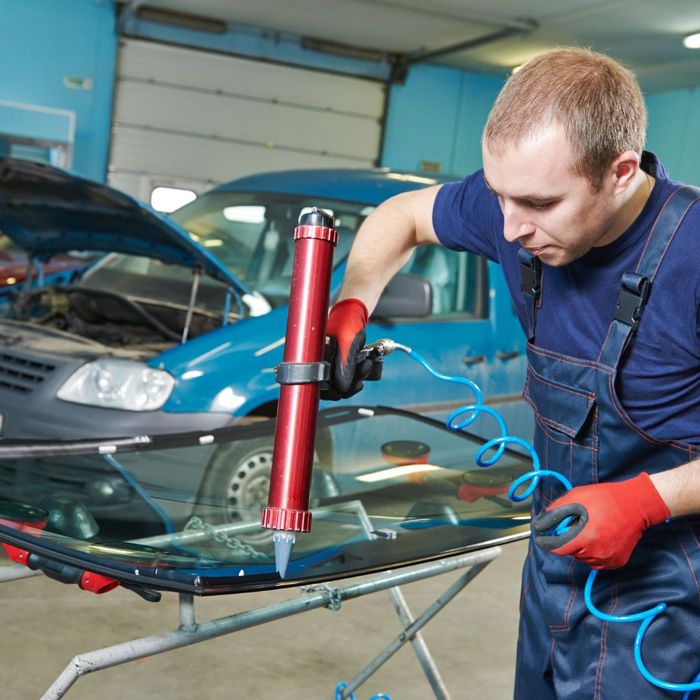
(237,482)
(236,486)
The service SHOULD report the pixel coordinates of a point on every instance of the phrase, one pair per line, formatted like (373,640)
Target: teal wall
(437,117)
(674,132)
(41,42)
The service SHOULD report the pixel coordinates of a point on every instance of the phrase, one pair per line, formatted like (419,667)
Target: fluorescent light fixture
(168,199)
(395,472)
(515,69)
(245,214)
(692,41)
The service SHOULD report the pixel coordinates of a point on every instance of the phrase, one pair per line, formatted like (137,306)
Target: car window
(251,234)
(456,278)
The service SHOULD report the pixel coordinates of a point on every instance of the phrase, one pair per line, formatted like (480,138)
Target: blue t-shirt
(659,381)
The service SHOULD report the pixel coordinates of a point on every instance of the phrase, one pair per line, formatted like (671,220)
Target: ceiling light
(692,41)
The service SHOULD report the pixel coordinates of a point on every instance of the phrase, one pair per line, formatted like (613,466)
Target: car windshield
(250,233)
(182,512)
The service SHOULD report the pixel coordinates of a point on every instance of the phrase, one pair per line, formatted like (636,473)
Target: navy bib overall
(583,431)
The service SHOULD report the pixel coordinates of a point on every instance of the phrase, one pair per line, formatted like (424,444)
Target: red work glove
(608,520)
(346,338)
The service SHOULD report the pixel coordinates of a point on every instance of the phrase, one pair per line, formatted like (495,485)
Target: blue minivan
(181,322)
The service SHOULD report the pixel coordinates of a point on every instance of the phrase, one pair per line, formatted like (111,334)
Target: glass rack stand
(311,597)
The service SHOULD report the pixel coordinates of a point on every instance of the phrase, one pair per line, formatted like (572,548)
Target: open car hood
(46,210)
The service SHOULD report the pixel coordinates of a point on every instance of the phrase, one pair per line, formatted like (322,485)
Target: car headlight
(130,386)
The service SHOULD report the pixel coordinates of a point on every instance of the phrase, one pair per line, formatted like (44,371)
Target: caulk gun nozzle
(284,541)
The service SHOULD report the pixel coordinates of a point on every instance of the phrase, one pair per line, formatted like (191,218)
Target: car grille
(21,374)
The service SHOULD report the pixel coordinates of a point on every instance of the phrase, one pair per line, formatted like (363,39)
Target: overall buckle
(530,273)
(633,296)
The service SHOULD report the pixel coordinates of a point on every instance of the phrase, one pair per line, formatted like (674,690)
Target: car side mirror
(406,295)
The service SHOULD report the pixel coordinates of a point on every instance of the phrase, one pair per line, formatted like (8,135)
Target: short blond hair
(597,101)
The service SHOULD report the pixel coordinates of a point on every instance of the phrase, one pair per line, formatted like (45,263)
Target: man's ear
(623,170)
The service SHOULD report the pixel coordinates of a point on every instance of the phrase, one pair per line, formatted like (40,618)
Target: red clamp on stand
(27,518)
(299,375)
(23,518)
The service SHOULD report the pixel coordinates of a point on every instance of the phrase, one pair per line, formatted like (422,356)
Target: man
(567,202)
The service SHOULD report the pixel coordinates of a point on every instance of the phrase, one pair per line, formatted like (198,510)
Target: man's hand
(346,338)
(607,521)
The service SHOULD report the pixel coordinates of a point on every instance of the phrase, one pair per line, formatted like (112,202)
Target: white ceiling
(644,34)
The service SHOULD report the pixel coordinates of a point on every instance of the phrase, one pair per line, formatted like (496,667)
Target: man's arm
(680,488)
(610,517)
(382,246)
(385,242)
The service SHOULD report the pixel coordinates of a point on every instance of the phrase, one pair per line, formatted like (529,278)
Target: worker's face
(549,209)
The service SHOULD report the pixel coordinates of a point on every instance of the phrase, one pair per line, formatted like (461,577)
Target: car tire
(236,486)
(237,481)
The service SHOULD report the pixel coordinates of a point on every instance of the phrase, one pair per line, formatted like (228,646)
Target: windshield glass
(182,512)
(250,233)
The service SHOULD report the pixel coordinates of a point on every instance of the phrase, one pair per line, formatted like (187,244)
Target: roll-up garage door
(188,118)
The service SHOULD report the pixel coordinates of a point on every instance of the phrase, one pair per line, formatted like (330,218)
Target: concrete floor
(46,623)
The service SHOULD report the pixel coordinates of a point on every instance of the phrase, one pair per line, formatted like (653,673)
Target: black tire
(236,485)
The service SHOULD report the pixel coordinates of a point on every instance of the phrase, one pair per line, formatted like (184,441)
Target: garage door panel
(215,115)
(200,70)
(189,115)
(126,182)
(206,159)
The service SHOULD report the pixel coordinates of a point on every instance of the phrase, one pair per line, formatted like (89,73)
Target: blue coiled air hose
(342,685)
(472,411)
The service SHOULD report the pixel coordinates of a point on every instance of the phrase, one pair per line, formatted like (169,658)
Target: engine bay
(110,318)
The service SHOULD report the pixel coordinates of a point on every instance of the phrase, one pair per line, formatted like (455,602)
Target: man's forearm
(680,488)
(381,248)
(385,242)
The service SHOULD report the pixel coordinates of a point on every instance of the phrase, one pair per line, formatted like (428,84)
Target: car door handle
(500,355)
(471,360)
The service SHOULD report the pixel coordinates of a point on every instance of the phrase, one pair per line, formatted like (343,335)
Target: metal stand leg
(191,632)
(410,632)
(187,618)
(419,646)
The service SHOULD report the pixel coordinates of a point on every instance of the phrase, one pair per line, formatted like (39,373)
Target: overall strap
(531,286)
(637,285)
